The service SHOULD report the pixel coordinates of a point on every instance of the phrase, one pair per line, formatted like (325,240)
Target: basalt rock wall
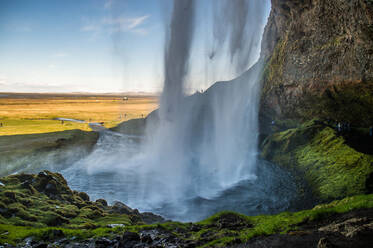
(319,57)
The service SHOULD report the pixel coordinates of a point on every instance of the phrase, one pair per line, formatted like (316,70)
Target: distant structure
(125,98)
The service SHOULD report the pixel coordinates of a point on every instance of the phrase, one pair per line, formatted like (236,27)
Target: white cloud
(119,24)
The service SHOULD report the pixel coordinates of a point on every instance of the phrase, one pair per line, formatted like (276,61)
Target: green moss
(285,222)
(331,167)
(273,70)
(210,233)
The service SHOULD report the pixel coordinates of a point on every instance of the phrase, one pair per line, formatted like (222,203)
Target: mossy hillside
(46,200)
(220,230)
(329,165)
(132,127)
(30,153)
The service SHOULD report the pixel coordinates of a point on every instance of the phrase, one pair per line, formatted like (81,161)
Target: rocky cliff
(318,72)
(319,56)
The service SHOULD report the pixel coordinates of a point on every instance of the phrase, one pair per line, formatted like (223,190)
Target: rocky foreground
(42,211)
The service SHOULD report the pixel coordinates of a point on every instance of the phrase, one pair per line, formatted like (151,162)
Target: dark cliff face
(319,57)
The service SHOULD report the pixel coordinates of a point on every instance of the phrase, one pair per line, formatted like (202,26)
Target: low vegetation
(43,207)
(36,113)
(33,152)
(333,166)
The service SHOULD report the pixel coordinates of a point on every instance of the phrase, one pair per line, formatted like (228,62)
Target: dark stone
(231,221)
(324,243)
(130,239)
(10,194)
(103,243)
(121,208)
(84,196)
(150,218)
(130,236)
(103,202)
(41,245)
(146,238)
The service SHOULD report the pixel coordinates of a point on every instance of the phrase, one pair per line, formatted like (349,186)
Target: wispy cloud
(128,23)
(118,24)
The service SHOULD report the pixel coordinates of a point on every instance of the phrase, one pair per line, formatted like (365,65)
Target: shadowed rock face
(319,55)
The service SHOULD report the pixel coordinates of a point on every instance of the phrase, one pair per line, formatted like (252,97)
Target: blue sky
(87,45)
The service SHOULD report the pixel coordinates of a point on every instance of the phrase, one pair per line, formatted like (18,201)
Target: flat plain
(37,113)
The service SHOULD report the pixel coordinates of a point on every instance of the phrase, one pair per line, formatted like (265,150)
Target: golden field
(35,113)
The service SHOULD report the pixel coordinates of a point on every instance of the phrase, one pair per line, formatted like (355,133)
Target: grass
(217,236)
(31,152)
(331,167)
(28,114)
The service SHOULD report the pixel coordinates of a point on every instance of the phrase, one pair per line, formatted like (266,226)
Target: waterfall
(199,153)
(203,144)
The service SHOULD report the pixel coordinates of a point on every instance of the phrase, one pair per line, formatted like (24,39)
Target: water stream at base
(272,190)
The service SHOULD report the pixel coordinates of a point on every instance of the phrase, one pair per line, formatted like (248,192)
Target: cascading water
(199,154)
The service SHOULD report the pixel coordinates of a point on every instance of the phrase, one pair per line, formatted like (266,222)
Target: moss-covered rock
(323,158)
(52,203)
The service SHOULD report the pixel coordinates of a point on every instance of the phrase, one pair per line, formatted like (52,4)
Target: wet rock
(103,202)
(324,243)
(150,218)
(55,220)
(84,196)
(40,245)
(146,238)
(350,228)
(11,195)
(121,208)
(231,221)
(130,239)
(195,228)
(103,243)
(51,184)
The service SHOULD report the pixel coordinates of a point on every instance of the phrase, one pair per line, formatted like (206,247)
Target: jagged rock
(103,243)
(151,218)
(324,243)
(11,195)
(41,245)
(231,221)
(103,202)
(350,228)
(121,208)
(130,239)
(51,184)
(84,196)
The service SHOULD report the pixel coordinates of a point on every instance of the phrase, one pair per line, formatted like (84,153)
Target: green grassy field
(35,113)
